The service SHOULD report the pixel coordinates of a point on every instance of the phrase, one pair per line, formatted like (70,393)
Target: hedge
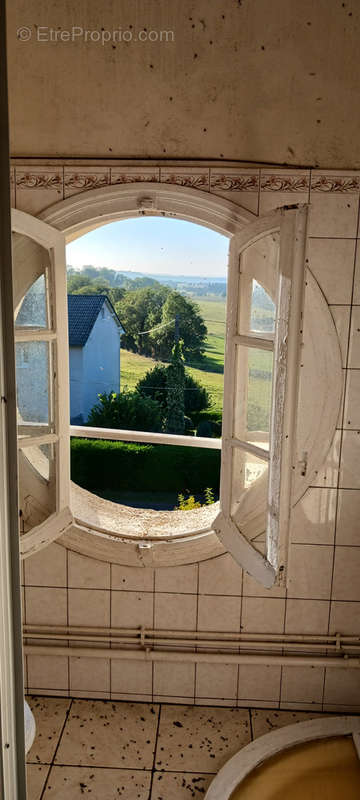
(97,464)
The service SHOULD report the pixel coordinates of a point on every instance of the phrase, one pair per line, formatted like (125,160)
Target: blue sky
(153,244)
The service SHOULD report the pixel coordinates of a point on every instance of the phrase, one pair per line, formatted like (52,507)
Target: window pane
(263,310)
(32,387)
(33,311)
(253,393)
(42,459)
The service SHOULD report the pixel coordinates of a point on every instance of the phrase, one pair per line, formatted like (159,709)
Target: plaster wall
(101,360)
(76,382)
(249,80)
(323,595)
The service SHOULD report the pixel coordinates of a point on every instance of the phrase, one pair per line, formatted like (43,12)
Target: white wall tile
(354,344)
(342,686)
(345,618)
(262,616)
(88,573)
(280,187)
(313,518)
(356,297)
(182,579)
(175,611)
(89,607)
(175,679)
(302,684)
(221,576)
(48,672)
(219,613)
(328,474)
(238,186)
(346,583)
(307,616)
(47,567)
(89,674)
(348,517)
(132,677)
(44,606)
(132,609)
(349,477)
(310,569)
(132,578)
(259,682)
(216,680)
(333,214)
(341,317)
(332,263)
(38,187)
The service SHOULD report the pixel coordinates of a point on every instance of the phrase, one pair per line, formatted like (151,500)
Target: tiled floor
(137,751)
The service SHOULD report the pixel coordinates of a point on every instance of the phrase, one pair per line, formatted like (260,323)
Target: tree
(127,410)
(193,330)
(141,310)
(153,385)
(175,384)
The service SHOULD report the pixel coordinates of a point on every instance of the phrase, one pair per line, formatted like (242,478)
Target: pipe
(184,656)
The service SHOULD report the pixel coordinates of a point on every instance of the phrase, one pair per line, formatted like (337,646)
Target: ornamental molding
(235,183)
(342,184)
(285,183)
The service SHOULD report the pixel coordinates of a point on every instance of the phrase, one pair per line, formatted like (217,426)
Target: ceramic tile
(216,702)
(356,296)
(128,174)
(87,573)
(221,575)
(191,177)
(332,263)
(109,735)
(342,686)
(310,568)
(348,516)
(307,616)
(132,609)
(302,684)
(345,618)
(134,698)
(180,579)
(82,179)
(132,578)
(264,721)
(259,682)
(352,400)
(44,606)
(179,785)
(131,676)
(337,708)
(217,613)
(313,518)
(328,474)
(46,568)
(262,616)
(346,584)
(313,707)
(178,680)
(252,587)
(283,187)
(194,738)
(175,611)
(47,672)
(350,459)
(74,782)
(218,681)
(89,674)
(36,775)
(93,694)
(238,186)
(333,214)
(354,343)
(341,317)
(49,714)
(38,187)
(89,607)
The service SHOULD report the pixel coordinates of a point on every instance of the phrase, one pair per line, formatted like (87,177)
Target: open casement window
(261,377)
(42,381)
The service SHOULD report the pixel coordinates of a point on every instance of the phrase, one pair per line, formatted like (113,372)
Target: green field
(210,372)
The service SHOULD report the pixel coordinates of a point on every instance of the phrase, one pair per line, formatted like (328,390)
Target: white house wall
(62,587)
(76,370)
(101,360)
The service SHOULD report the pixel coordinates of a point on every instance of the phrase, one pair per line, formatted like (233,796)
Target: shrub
(153,385)
(128,410)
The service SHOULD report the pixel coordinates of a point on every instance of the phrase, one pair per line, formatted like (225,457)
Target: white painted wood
(34,335)
(49,530)
(259,342)
(36,441)
(288,337)
(246,760)
(119,435)
(259,452)
(243,551)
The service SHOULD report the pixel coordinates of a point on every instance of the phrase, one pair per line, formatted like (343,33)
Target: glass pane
(263,310)
(253,392)
(42,458)
(32,387)
(39,503)
(33,311)
(247,468)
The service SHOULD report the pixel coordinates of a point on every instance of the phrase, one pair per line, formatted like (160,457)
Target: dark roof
(83,310)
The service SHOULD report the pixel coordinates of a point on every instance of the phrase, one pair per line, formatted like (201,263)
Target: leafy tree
(139,311)
(193,330)
(127,410)
(175,384)
(153,385)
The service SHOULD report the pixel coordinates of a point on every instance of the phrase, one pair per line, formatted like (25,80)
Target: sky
(153,244)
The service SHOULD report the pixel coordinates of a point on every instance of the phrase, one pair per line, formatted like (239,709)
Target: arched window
(282,453)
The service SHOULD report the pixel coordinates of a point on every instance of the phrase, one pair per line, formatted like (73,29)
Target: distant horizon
(153,245)
(135,272)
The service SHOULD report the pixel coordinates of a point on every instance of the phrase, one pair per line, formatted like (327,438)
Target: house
(94,352)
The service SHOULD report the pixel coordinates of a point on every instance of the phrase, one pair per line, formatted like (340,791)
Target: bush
(97,465)
(128,410)
(153,385)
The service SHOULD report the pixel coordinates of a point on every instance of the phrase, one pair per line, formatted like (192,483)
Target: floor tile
(109,734)
(197,738)
(103,784)
(49,713)
(35,778)
(264,721)
(179,785)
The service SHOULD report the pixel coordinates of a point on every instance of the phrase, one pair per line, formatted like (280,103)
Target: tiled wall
(323,595)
